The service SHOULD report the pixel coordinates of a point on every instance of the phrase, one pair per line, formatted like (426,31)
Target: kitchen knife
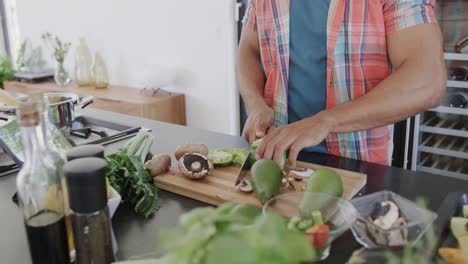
(243,171)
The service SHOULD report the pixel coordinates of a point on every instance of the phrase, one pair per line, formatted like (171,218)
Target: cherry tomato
(318,235)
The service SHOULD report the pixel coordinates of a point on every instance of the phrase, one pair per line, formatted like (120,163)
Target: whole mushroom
(195,166)
(159,164)
(190,148)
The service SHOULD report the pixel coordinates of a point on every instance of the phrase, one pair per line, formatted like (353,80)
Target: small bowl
(418,219)
(114,201)
(339,214)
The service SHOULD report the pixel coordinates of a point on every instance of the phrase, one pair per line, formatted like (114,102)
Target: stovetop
(7,164)
(84,130)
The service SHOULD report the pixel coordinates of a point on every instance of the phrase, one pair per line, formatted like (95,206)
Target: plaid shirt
(357,59)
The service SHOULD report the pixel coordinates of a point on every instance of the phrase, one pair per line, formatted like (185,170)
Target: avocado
(266,179)
(322,181)
(325,181)
(253,152)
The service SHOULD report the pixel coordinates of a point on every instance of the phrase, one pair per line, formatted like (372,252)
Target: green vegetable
(325,181)
(220,158)
(253,152)
(233,233)
(266,179)
(128,176)
(322,181)
(294,222)
(240,156)
(317,217)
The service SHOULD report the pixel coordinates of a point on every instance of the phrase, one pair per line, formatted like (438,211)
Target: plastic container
(418,219)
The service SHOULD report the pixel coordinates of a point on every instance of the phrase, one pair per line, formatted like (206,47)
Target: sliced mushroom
(300,173)
(245,186)
(398,237)
(159,164)
(388,214)
(288,183)
(195,166)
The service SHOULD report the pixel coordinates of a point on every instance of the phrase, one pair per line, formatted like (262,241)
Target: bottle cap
(86,183)
(85,151)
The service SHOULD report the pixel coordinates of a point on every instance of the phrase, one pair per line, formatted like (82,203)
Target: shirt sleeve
(401,14)
(250,17)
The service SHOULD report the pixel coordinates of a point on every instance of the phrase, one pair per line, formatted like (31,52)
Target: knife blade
(243,171)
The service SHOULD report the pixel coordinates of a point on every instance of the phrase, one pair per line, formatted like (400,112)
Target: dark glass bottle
(40,191)
(86,182)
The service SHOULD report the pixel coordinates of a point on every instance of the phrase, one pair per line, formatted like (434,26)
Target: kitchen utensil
(418,219)
(337,213)
(243,171)
(61,107)
(218,187)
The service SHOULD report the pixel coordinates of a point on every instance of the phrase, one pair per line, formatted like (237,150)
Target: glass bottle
(61,76)
(57,145)
(86,182)
(40,193)
(83,63)
(101,76)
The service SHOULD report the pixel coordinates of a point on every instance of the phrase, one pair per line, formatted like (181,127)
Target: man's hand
(258,123)
(294,137)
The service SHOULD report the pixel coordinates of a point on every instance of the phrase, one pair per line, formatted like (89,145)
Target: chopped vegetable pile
(314,228)
(128,176)
(233,233)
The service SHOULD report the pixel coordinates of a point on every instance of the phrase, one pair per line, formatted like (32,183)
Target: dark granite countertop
(137,236)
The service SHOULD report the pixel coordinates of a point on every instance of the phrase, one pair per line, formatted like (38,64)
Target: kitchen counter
(137,236)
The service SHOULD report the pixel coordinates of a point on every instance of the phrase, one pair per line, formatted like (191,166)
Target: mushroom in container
(195,166)
(386,215)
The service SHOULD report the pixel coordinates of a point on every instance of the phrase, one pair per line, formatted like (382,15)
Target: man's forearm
(409,90)
(250,78)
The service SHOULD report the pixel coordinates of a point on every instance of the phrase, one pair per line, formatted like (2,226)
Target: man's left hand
(294,137)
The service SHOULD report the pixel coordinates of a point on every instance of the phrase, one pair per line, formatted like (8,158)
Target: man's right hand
(258,123)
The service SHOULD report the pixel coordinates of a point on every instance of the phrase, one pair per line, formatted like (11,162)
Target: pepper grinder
(90,215)
(85,151)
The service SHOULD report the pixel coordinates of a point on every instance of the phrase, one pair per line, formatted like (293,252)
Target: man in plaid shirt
(332,75)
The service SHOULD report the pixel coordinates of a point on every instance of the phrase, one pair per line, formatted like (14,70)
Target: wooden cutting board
(219,187)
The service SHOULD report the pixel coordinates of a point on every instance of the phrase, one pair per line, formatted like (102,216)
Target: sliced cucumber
(220,158)
(240,155)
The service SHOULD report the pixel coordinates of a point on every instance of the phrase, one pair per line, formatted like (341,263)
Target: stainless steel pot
(61,107)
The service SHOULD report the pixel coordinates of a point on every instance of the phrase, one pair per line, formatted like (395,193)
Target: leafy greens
(128,176)
(232,233)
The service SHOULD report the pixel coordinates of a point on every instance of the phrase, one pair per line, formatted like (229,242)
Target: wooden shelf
(125,100)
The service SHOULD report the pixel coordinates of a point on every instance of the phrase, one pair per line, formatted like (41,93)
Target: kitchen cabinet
(166,107)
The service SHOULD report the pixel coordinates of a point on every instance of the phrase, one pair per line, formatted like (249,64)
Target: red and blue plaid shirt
(357,59)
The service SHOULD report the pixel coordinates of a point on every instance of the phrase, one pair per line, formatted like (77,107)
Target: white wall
(195,37)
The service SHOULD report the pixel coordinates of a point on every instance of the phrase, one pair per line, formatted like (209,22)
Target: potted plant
(60,49)
(6,70)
